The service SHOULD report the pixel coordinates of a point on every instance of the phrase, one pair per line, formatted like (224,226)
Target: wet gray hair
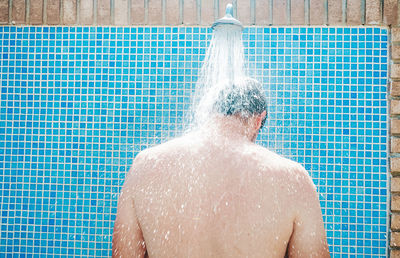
(243,97)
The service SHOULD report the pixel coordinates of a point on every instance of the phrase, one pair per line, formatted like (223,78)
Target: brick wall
(198,12)
(249,12)
(394,99)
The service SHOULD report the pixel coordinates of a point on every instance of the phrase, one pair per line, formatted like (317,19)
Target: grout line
(27,11)
(253,12)
(363,12)
(381,7)
(398,12)
(344,12)
(10,3)
(163,11)
(146,11)
(198,9)
(44,12)
(288,12)
(307,12)
(129,12)
(271,12)
(112,12)
(326,13)
(216,9)
(234,5)
(78,11)
(61,12)
(94,12)
(181,5)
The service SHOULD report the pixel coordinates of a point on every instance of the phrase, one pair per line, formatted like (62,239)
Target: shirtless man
(215,193)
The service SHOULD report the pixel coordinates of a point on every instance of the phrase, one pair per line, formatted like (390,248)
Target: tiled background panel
(78,103)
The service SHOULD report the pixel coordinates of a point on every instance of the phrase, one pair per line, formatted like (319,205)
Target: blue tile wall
(78,103)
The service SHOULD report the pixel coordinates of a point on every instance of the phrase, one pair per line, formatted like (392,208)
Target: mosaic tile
(78,103)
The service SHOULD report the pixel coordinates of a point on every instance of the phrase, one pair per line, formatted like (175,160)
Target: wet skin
(214,193)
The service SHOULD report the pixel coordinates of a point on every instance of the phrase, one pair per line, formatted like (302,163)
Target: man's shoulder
(160,154)
(267,156)
(272,161)
(163,149)
(152,162)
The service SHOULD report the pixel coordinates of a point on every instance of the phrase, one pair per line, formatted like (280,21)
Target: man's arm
(308,238)
(127,236)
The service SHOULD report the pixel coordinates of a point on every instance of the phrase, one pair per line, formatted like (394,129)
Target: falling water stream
(224,62)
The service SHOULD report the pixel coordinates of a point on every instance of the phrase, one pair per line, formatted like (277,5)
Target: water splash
(223,64)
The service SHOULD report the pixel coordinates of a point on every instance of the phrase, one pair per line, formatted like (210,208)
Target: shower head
(228,19)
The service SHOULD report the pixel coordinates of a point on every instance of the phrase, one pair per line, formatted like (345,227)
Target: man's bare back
(215,194)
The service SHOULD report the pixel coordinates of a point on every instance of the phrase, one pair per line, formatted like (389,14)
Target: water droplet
(166,235)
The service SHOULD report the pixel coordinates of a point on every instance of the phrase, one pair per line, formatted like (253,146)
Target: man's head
(244,99)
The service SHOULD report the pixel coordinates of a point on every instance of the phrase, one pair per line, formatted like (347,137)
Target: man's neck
(230,128)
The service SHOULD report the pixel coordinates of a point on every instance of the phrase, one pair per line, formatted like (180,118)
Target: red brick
(137,12)
(395,253)
(86,12)
(395,126)
(172,12)
(395,88)
(395,204)
(395,34)
(395,187)
(103,12)
(297,12)
(121,12)
(353,12)
(394,165)
(244,12)
(390,12)
(155,12)
(395,144)
(3,11)
(317,12)
(189,12)
(395,239)
(36,12)
(53,11)
(395,71)
(207,12)
(262,12)
(18,11)
(69,11)
(395,107)
(395,221)
(335,12)
(279,13)
(373,12)
(395,51)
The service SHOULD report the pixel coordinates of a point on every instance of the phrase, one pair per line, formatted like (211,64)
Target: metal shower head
(228,19)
